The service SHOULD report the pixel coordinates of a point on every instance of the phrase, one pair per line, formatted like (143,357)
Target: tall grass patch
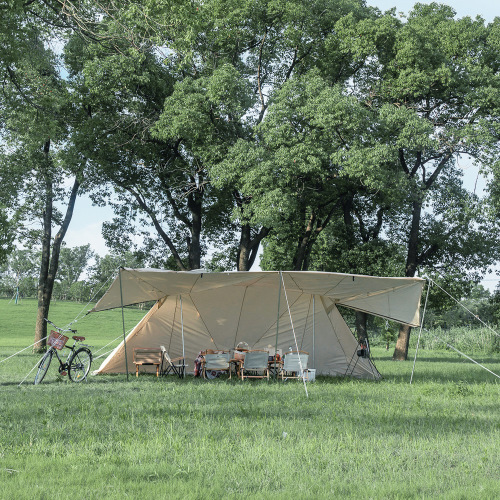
(466,339)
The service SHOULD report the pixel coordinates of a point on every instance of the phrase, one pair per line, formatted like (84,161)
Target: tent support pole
(420,331)
(294,336)
(277,328)
(314,337)
(123,320)
(182,333)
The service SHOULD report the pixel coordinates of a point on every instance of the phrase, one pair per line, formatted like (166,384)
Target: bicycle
(78,361)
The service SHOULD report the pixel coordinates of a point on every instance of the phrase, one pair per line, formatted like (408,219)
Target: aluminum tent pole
(123,320)
(420,331)
(277,327)
(182,334)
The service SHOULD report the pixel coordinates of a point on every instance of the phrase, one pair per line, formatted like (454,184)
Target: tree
(38,118)
(156,183)
(432,91)
(227,58)
(20,273)
(102,272)
(72,264)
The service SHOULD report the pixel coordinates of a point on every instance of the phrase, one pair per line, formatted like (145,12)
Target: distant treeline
(82,274)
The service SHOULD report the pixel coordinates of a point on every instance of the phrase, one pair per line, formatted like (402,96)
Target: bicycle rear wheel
(43,366)
(79,364)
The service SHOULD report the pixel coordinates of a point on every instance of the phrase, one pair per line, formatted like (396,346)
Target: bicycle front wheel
(43,366)
(79,364)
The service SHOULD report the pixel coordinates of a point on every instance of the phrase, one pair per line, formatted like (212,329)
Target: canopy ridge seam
(336,285)
(293,279)
(194,284)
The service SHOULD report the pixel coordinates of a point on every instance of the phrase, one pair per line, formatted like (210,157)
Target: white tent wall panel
(115,362)
(334,344)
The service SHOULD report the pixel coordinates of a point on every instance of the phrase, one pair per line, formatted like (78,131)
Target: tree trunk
(50,260)
(361,329)
(401,350)
(244,249)
(303,248)
(194,242)
(248,247)
(43,303)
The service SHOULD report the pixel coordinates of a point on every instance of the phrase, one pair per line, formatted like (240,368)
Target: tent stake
(277,328)
(420,331)
(182,333)
(123,320)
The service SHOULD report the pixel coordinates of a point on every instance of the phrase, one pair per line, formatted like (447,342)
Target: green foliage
(72,264)
(6,234)
(106,268)
(331,126)
(21,270)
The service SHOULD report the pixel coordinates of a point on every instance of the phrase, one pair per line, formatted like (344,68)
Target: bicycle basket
(57,340)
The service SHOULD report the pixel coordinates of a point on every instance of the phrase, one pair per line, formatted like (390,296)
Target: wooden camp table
(270,365)
(237,364)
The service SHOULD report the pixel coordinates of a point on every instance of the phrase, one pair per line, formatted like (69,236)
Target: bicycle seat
(78,339)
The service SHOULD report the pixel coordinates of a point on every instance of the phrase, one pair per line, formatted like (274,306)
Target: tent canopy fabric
(199,310)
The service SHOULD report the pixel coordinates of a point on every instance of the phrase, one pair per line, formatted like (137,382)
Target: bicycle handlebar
(60,329)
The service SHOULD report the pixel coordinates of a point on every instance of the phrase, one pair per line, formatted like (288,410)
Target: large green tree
(432,100)
(38,164)
(161,192)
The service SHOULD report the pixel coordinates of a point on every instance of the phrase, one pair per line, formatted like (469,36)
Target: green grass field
(109,438)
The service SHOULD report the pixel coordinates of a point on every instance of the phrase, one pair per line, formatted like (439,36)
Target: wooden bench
(147,356)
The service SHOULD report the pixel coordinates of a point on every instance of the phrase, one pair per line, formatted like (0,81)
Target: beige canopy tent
(198,310)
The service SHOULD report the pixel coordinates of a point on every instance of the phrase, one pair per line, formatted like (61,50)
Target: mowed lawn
(171,438)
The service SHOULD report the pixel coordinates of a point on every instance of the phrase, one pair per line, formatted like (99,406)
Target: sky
(87,220)
(487,9)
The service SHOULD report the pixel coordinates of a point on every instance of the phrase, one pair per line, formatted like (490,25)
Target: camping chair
(174,366)
(292,365)
(144,356)
(216,362)
(255,365)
